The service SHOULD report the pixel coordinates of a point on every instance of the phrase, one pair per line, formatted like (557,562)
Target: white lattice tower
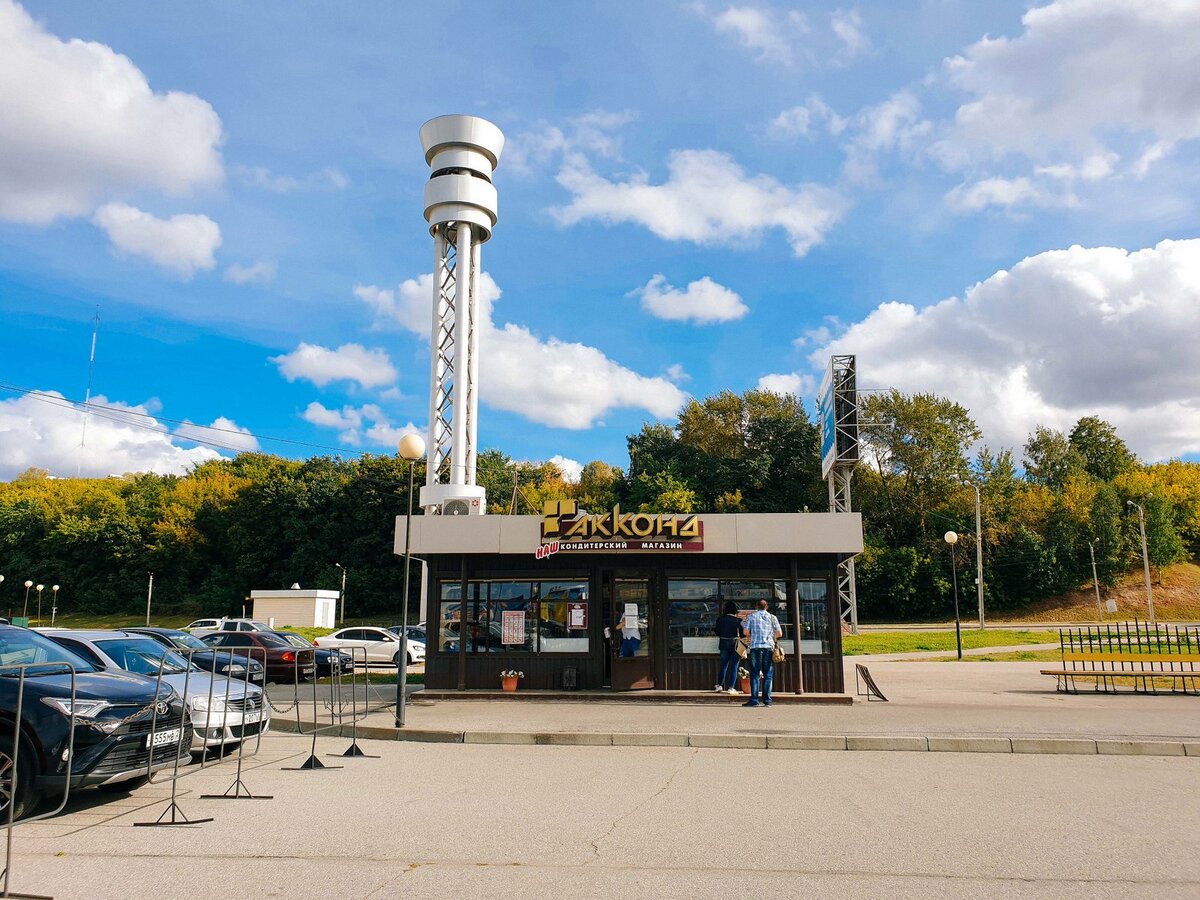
(460,206)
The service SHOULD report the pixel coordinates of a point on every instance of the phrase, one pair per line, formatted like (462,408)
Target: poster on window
(512,626)
(576,615)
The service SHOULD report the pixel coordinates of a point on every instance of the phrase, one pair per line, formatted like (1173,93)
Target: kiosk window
(814,616)
(694,605)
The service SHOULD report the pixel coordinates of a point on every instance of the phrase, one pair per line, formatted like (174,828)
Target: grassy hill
(1176,598)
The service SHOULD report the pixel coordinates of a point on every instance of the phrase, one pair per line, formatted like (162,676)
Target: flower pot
(509,683)
(745,685)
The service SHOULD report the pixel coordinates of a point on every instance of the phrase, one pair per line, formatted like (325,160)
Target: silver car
(223,710)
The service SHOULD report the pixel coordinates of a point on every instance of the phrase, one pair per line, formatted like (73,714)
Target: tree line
(263,521)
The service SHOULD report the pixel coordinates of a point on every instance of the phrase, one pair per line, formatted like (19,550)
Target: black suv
(113,716)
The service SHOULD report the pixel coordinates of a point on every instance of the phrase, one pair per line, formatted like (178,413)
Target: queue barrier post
(238,790)
(313,762)
(14,780)
(176,813)
(354,751)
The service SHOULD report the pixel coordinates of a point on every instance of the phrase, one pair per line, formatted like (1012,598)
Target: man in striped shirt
(763,631)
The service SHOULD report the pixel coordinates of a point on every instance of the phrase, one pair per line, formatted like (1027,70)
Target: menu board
(512,626)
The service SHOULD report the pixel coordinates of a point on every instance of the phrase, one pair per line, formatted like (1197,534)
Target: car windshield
(142,656)
(272,640)
(19,647)
(185,641)
(296,640)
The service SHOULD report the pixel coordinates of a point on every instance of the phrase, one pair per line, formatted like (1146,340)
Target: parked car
(232,625)
(203,625)
(329,662)
(223,710)
(282,660)
(415,632)
(379,644)
(113,715)
(204,656)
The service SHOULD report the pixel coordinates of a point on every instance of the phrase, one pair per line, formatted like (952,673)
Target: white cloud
(707,198)
(895,125)
(1063,334)
(773,38)
(262,177)
(260,272)
(223,432)
(798,121)
(596,133)
(703,301)
(1004,192)
(349,362)
(571,469)
(676,374)
(1084,77)
(360,424)
(183,244)
(799,384)
(553,382)
(79,124)
(847,24)
(46,431)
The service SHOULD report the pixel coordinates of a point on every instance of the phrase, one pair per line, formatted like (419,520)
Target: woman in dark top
(729,629)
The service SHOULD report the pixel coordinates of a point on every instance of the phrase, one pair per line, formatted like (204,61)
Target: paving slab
(729,741)
(806,742)
(941,744)
(1141,748)
(499,737)
(1053,745)
(886,742)
(648,739)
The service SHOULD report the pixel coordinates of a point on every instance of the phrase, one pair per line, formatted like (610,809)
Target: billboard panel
(827,421)
(837,414)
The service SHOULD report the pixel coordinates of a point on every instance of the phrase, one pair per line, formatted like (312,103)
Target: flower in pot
(509,678)
(744,678)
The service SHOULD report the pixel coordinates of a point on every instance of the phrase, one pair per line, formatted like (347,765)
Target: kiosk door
(631,637)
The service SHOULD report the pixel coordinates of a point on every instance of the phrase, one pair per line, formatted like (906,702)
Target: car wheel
(124,787)
(26,796)
(395,659)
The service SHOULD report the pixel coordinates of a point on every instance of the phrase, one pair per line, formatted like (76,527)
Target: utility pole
(149,594)
(979,552)
(1095,577)
(1145,559)
(342,617)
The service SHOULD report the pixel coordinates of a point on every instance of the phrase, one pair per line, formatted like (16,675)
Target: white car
(227,625)
(379,645)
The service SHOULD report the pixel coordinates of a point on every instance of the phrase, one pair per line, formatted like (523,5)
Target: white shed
(297,607)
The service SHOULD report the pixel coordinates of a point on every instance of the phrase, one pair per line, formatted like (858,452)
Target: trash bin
(570,678)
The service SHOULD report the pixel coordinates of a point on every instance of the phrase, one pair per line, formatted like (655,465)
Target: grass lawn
(376,678)
(918,641)
(89,620)
(1010,656)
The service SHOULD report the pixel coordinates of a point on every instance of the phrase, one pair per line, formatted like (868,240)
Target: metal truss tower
(839,423)
(460,206)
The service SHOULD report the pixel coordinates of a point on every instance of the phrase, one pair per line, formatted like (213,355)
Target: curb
(875,743)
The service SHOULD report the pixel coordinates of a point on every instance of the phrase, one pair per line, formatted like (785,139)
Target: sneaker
(750,703)
(732,691)
(766,703)
(718,688)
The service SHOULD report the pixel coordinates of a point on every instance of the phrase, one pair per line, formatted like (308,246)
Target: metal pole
(979,553)
(342,616)
(149,594)
(957,619)
(1095,578)
(402,658)
(1146,562)
(39,608)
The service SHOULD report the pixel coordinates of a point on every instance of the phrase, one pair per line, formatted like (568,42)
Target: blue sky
(693,197)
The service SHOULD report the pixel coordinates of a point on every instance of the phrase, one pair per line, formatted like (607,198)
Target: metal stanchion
(177,815)
(313,761)
(354,751)
(14,783)
(238,790)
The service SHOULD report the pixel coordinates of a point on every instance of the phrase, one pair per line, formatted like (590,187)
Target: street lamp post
(411,449)
(39,589)
(979,551)
(54,605)
(1145,559)
(342,597)
(1095,577)
(25,611)
(951,538)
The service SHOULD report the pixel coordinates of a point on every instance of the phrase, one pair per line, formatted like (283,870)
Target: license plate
(162,738)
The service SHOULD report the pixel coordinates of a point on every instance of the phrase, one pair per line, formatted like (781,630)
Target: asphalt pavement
(510,821)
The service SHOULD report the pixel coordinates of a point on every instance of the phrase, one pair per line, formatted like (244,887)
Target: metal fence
(1143,654)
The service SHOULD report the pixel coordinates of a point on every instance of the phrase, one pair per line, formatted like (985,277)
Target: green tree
(1050,458)
(1104,454)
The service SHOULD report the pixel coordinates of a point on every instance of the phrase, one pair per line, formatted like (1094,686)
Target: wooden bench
(1105,668)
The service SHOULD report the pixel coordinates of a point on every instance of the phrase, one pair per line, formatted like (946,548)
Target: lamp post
(25,611)
(39,589)
(342,596)
(1095,577)
(951,538)
(1145,558)
(2,582)
(411,449)
(54,605)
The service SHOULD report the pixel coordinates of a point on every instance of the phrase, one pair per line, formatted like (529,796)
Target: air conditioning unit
(462,506)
